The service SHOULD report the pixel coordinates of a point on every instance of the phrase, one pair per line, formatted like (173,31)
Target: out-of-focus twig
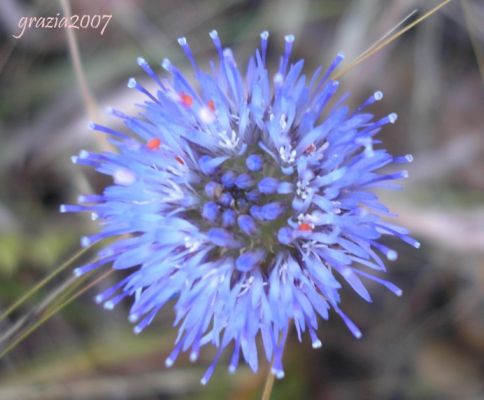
(88,98)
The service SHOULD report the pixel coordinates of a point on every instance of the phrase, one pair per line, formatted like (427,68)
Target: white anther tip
(77,272)
(182,41)
(109,305)
(378,95)
(137,330)
(193,357)
(393,117)
(264,35)
(98,299)
(392,255)
(131,83)
(168,362)
(91,125)
(83,154)
(85,242)
(62,208)
(317,344)
(289,38)
(141,61)
(166,63)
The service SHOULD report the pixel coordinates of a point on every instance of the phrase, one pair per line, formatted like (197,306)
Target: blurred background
(428,344)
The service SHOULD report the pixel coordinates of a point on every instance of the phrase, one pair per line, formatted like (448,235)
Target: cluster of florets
(245,201)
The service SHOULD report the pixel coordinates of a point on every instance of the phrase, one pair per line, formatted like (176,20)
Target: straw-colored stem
(392,38)
(380,40)
(269,384)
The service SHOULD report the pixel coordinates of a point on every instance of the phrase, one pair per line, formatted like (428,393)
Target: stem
(269,383)
(266,394)
(42,283)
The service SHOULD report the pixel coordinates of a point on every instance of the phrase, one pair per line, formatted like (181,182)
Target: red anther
(180,160)
(310,148)
(186,99)
(305,227)
(153,144)
(211,105)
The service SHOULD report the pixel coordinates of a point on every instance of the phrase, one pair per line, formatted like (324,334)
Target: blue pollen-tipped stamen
(210,211)
(146,67)
(133,84)
(272,211)
(222,238)
(263,44)
(234,360)
(188,52)
(228,218)
(244,181)
(249,260)
(254,162)
(247,224)
(268,185)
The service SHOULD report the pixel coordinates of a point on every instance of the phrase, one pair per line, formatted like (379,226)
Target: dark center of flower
(245,200)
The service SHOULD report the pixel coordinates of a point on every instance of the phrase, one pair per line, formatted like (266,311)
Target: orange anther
(211,105)
(186,99)
(305,227)
(310,148)
(153,144)
(180,160)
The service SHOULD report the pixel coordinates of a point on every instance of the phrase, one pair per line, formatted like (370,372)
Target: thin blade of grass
(50,313)
(398,25)
(42,283)
(389,40)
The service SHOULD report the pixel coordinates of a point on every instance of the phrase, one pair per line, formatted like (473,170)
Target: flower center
(247,199)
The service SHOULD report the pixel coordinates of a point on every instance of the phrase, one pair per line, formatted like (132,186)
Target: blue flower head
(245,200)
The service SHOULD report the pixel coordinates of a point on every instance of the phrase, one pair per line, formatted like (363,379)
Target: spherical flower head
(244,200)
